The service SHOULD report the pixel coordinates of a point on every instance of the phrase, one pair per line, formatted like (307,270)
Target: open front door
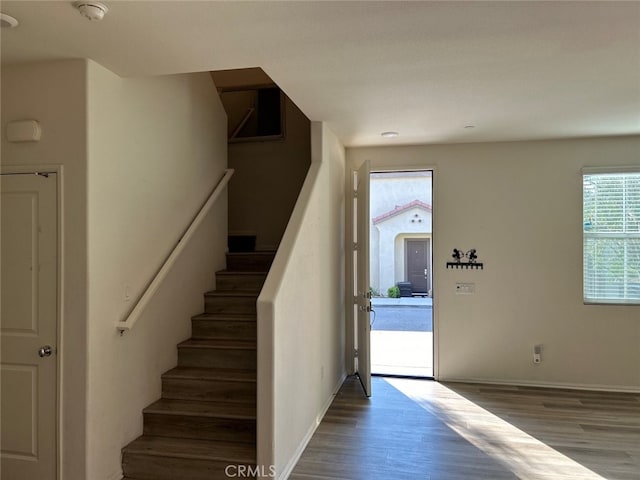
(363,293)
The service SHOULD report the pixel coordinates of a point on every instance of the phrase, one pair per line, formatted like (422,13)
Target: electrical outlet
(537,354)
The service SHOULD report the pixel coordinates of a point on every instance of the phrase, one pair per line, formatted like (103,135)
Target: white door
(363,292)
(28,328)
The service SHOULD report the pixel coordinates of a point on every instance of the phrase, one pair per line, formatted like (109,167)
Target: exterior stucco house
(401,230)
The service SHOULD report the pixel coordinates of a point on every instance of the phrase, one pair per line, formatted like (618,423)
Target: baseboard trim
(312,429)
(527,383)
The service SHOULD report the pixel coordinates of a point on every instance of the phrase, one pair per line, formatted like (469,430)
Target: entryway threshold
(406,376)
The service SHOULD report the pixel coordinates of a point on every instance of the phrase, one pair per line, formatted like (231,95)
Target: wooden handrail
(145,298)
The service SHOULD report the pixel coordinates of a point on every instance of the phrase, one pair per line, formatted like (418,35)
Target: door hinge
(355,247)
(355,353)
(355,194)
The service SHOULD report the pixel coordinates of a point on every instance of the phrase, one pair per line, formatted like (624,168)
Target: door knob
(45,351)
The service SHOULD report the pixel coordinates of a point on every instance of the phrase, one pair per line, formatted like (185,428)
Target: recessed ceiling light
(389,134)
(94,11)
(7,21)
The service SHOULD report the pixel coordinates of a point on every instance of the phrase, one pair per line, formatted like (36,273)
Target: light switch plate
(465,288)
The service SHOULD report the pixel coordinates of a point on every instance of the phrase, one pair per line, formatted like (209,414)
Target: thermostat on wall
(24,131)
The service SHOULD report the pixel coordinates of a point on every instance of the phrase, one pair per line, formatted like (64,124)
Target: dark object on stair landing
(241,243)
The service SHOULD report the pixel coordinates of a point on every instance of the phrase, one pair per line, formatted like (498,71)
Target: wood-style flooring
(421,429)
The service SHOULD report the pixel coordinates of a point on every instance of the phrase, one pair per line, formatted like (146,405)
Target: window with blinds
(611,237)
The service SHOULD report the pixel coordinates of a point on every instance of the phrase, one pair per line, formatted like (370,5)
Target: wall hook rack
(466,265)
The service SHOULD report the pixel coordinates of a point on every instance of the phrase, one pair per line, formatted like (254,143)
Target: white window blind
(611,237)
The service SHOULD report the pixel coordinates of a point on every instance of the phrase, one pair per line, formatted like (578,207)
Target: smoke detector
(7,21)
(94,11)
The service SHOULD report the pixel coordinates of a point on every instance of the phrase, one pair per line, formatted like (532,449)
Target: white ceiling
(514,70)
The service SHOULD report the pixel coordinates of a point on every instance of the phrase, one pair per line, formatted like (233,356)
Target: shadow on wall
(270,150)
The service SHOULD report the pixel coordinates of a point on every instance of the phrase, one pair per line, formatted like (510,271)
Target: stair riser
(219,304)
(209,390)
(247,282)
(240,330)
(249,263)
(203,428)
(217,358)
(150,467)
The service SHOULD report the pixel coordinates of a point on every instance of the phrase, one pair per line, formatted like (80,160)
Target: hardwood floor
(421,429)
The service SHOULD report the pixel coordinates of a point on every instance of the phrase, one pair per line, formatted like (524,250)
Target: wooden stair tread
(206,418)
(199,373)
(236,317)
(241,272)
(233,293)
(190,448)
(198,408)
(253,253)
(250,261)
(219,343)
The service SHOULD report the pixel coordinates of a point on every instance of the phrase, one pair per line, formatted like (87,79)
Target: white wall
(520,205)
(301,313)
(54,93)
(157,147)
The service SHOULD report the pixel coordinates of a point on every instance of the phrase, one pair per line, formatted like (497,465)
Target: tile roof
(398,209)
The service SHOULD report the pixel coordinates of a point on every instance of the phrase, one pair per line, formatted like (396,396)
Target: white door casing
(28,325)
(363,294)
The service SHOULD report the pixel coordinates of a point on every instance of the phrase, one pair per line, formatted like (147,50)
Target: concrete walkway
(402,353)
(402,337)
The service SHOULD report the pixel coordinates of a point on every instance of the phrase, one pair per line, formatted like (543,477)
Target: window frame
(591,171)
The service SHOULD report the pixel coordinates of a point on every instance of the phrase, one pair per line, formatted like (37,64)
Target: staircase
(206,418)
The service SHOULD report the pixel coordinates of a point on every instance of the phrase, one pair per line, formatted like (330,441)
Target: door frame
(381,167)
(58,170)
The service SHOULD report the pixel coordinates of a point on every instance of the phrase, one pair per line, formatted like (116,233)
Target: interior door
(363,294)
(418,264)
(29,327)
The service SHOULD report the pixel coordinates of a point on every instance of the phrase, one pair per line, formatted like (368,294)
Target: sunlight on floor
(402,353)
(524,455)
